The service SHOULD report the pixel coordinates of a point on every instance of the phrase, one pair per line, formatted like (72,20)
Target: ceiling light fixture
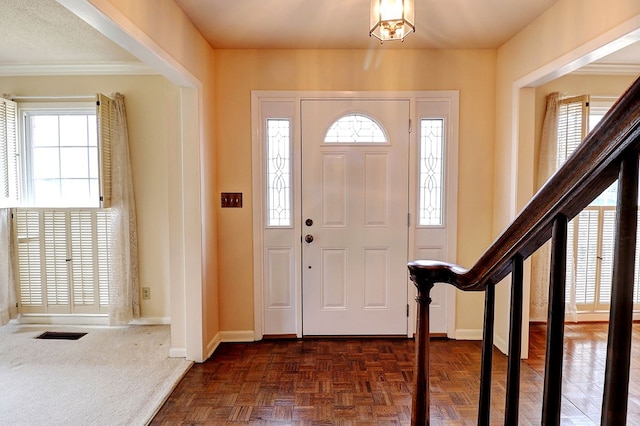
(392,19)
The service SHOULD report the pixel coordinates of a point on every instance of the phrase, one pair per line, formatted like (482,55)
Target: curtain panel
(546,167)
(124,294)
(7,285)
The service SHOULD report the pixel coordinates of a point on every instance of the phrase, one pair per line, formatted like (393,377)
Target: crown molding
(609,69)
(111,68)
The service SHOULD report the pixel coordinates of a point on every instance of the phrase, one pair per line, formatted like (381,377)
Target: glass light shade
(391,19)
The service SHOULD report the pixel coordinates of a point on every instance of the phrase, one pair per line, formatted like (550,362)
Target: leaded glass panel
(278,172)
(431,171)
(355,128)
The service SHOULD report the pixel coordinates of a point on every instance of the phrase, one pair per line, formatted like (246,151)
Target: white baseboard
(151,321)
(213,345)
(58,319)
(468,334)
(237,336)
(231,337)
(178,353)
(79,319)
(501,344)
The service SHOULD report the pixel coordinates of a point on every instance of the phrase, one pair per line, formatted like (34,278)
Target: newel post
(421,401)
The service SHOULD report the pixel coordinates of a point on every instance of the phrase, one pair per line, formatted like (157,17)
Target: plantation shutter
(573,125)
(105,113)
(606,256)
(56,251)
(27,227)
(83,268)
(586,257)
(8,153)
(63,260)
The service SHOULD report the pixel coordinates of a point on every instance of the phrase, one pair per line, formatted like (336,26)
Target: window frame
(31,109)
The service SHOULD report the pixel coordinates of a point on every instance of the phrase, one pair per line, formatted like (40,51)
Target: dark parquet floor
(369,382)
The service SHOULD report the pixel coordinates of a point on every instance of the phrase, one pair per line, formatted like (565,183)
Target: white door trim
(295,97)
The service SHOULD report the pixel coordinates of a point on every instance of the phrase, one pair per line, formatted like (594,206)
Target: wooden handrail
(591,169)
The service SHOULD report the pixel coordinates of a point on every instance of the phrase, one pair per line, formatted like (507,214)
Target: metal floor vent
(60,335)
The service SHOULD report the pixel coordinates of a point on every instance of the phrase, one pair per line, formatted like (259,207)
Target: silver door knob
(308,238)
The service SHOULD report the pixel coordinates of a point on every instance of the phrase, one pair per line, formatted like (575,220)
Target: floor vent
(60,335)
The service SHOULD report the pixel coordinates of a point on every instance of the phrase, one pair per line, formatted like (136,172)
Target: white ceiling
(41,33)
(44,32)
(345,23)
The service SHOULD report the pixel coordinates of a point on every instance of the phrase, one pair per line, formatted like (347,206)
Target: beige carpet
(111,376)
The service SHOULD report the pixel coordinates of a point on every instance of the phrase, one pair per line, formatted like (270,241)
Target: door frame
(294,98)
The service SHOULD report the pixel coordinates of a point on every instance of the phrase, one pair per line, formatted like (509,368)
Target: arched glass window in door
(355,128)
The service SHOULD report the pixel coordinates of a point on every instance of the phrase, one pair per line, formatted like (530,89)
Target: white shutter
(105,113)
(606,266)
(573,123)
(8,154)
(586,258)
(83,265)
(63,260)
(56,256)
(28,242)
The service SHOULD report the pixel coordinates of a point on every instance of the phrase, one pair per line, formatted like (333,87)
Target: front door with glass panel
(355,190)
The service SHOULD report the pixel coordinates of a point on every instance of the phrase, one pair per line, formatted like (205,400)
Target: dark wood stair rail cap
(591,169)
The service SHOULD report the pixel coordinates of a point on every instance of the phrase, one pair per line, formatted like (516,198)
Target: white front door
(355,186)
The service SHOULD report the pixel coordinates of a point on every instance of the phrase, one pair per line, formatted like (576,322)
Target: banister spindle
(552,395)
(515,343)
(421,396)
(484,405)
(616,382)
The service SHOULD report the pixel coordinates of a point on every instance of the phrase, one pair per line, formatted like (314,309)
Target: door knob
(308,238)
(308,222)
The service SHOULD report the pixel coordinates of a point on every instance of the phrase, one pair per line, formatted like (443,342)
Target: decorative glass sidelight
(431,171)
(279,172)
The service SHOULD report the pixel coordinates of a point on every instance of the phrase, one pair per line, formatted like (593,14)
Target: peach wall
(237,72)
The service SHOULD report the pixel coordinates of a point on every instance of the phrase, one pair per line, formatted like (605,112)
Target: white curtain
(546,167)
(7,286)
(124,297)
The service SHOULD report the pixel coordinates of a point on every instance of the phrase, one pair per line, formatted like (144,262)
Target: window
(355,128)
(431,171)
(66,152)
(57,186)
(61,157)
(591,233)
(278,172)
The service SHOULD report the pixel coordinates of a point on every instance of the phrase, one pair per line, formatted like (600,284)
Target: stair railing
(609,152)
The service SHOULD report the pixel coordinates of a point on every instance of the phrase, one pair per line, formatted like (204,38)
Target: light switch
(231,199)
